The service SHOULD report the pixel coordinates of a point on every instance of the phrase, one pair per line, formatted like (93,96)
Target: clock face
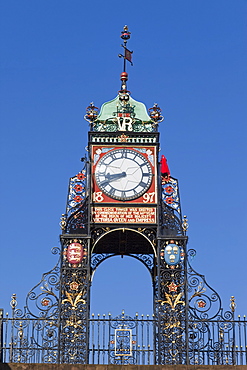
(123,174)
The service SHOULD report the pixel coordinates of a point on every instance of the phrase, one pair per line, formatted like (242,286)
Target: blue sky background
(190,57)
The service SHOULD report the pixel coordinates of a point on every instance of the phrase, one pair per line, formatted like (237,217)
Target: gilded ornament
(73,299)
(173,300)
(185,224)
(63,222)
(233,304)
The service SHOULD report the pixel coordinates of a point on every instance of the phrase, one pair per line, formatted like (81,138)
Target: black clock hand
(111,177)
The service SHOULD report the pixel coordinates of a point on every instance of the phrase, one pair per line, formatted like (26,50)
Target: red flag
(164,167)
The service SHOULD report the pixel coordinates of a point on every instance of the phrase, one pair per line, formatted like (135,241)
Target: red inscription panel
(133,215)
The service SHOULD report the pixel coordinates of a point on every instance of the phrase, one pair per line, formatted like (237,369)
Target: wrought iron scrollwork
(146,259)
(211,331)
(98,232)
(34,330)
(149,233)
(170,216)
(77,191)
(204,301)
(74,291)
(75,220)
(171,224)
(77,223)
(170,193)
(98,258)
(42,300)
(171,303)
(121,345)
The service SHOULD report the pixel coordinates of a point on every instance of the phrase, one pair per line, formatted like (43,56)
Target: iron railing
(124,340)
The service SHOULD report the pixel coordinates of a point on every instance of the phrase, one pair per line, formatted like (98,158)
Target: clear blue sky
(190,57)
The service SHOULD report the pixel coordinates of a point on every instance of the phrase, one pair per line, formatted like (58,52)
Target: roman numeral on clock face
(124,154)
(143,184)
(111,191)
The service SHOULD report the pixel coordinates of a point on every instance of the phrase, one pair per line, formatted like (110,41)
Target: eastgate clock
(123,174)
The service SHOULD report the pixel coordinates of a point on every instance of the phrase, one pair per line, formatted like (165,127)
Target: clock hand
(111,177)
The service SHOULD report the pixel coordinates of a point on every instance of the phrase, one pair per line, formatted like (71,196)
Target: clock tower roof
(124,113)
(116,106)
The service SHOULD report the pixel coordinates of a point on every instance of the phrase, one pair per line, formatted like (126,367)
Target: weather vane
(125,35)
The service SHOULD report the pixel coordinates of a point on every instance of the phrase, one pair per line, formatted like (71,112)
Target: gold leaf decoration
(73,299)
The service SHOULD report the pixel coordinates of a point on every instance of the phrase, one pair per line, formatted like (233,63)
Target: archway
(122,279)
(121,283)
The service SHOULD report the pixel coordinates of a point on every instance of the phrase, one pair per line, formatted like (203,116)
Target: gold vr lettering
(124,122)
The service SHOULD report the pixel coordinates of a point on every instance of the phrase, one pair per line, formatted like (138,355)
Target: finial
(124,79)
(155,113)
(13,302)
(91,113)
(233,303)
(125,36)
(185,224)
(63,222)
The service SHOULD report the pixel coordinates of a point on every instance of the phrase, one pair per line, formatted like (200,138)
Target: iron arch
(146,259)
(124,241)
(139,244)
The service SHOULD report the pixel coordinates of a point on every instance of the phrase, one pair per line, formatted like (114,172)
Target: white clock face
(123,174)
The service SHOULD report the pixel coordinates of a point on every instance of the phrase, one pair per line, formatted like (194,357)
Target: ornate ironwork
(121,340)
(77,191)
(43,298)
(170,193)
(189,325)
(170,302)
(75,220)
(31,334)
(99,232)
(204,301)
(171,223)
(146,259)
(77,223)
(210,342)
(74,300)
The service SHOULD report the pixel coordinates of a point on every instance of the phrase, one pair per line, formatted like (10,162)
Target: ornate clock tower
(123,202)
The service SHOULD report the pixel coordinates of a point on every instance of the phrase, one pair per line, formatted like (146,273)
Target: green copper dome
(111,108)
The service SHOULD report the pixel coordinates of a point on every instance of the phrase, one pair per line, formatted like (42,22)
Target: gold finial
(233,304)
(63,222)
(185,224)
(13,302)
(20,331)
